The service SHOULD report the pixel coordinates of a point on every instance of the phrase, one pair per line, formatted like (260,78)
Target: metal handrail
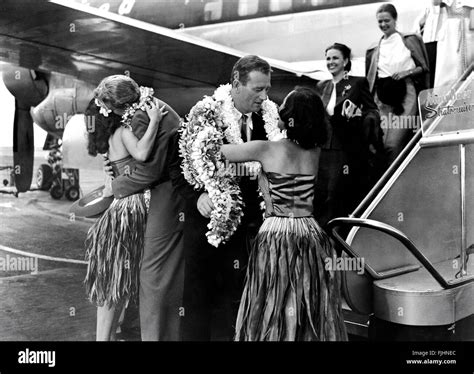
(401,237)
(401,157)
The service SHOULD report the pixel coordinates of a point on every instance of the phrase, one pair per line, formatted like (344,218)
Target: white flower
(210,121)
(103,109)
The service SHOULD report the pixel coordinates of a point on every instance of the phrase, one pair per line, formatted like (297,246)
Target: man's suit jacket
(356,133)
(207,267)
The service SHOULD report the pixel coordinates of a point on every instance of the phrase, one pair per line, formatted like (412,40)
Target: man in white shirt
(429,24)
(447,38)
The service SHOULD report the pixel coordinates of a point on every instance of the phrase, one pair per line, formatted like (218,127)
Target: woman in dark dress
(350,156)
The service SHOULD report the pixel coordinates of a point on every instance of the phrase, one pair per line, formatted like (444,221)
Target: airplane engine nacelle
(74,146)
(53,113)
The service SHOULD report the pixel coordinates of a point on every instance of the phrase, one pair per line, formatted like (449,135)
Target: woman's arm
(140,149)
(419,55)
(250,151)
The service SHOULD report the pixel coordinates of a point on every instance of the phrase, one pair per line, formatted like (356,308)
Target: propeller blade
(23,148)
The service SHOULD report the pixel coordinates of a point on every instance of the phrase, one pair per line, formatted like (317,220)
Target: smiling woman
(354,130)
(397,70)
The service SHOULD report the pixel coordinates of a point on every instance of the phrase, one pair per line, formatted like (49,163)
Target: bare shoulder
(274,146)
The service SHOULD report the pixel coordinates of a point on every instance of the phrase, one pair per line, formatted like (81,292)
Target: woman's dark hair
(304,117)
(345,51)
(99,128)
(389,8)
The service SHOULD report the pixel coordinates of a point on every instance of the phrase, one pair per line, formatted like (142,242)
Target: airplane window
(248,7)
(280,5)
(213,10)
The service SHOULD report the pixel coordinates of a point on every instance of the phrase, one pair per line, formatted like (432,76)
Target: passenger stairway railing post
(463,249)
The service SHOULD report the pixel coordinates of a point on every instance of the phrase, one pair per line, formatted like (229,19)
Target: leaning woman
(291,294)
(114,244)
(397,70)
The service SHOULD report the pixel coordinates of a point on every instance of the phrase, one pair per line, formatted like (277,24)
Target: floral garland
(211,121)
(146,97)
(103,109)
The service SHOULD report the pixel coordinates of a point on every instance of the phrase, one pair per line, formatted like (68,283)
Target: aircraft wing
(89,44)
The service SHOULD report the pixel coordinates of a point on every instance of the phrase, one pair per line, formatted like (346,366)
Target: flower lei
(146,96)
(211,121)
(103,109)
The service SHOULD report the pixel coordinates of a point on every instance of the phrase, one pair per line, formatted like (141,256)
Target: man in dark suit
(216,275)
(162,267)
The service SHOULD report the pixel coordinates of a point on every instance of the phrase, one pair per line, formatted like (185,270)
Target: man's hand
(107,167)
(204,205)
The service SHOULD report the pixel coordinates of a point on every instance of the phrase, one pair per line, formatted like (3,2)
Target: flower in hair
(103,108)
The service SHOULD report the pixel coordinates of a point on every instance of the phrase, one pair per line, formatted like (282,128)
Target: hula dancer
(114,244)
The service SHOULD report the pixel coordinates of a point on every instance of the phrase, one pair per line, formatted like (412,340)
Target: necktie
(244,127)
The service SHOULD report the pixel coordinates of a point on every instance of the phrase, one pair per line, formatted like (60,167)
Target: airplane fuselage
(286,30)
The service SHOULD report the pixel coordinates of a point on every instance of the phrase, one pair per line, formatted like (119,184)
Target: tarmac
(42,264)
(46,300)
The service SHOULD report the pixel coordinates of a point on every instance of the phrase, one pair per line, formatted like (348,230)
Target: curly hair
(117,91)
(99,129)
(304,117)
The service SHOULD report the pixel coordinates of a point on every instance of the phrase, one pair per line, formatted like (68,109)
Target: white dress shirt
(332,100)
(394,56)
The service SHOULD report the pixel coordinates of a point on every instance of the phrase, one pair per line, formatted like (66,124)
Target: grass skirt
(114,248)
(288,293)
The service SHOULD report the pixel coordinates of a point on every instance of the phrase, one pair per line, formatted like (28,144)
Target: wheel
(72,193)
(44,177)
(56,191)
